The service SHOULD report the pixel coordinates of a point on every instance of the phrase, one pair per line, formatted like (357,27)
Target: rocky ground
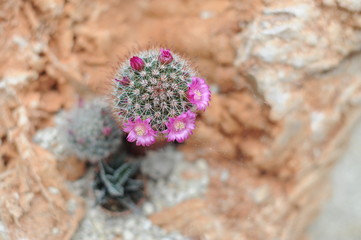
(286,92)
(179,181)
(340,218)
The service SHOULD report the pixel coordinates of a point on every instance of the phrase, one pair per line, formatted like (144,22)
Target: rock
(72,168)
(227,79)
(214,112)
(351,5)
(17,78)
(285,78)
(48,138)
(224,53)
(128,235)
(260,195)
(159,164)
(51,101)
(148,208)
(246,109)
(52,6)
(229,125)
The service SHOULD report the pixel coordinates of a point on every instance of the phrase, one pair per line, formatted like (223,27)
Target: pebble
(49,139)
(148,208)
(130,223)
(55,231)
(147,225)
(72,206)
(224,176)
(2,228)
(201,164)
(128,235)
(53,190)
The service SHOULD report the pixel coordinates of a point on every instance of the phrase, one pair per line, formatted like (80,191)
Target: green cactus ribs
(157,94)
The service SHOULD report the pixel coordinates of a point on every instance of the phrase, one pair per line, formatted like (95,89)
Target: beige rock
(224,53)
(51,101)
(71,168)
(214,112)
(227,79)
(228,125)
(351,5)
(32,192)
(245,109)
(53,6)
(288,90)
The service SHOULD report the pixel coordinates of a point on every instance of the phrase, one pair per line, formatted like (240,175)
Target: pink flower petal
(180,128)
(140,132)
(198,93)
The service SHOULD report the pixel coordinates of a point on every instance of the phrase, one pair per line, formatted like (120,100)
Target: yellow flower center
(140,130)
(198,94)
(179,125)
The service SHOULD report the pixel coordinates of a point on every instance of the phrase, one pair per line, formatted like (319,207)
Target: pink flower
(140,131)
(107,131)
(198,93)
(180,128)
(137,63)
(165,56)
(124,81)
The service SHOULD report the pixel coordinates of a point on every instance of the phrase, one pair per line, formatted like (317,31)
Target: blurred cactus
(90,132)
(117,187)
(155,93)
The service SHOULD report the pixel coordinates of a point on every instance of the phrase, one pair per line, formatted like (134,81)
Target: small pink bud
(137,63)
(124,81)
(107,131)
(103,112)
(80,102)
(165,56)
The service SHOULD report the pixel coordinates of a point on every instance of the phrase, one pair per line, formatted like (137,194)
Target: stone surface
(162,194)
(340,218)
(159,164)
(34,199)
(286,83)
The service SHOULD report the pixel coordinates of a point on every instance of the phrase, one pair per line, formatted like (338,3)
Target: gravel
(182,180)
(48,138)
(100,225)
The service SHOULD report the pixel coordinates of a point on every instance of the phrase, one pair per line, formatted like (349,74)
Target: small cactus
(155,94)
(90,132)
(117,185)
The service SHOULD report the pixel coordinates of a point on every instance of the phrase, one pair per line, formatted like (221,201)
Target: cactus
(156,94)
(90,132)
(118,188)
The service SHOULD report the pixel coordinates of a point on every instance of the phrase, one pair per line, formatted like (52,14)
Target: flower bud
(137,63)
(124,81)
(107,131)
(165,56)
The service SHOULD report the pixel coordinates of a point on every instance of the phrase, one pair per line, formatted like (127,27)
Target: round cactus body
(90,132)
(156,94)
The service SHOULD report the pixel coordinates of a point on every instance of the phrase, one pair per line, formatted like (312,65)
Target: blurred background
(285,79)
